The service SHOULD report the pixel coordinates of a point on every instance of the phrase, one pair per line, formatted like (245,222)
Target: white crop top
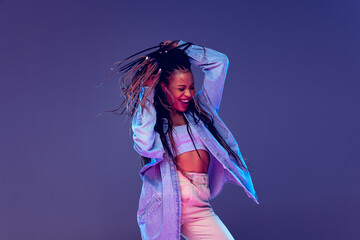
(183,141)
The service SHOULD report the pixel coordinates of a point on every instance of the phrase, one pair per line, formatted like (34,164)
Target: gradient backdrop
(291,100)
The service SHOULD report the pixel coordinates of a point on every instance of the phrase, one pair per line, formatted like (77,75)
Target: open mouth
(184,101)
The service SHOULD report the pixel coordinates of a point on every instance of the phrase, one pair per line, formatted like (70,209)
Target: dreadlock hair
(159,66)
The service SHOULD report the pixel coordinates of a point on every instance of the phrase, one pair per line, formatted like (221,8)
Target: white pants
(198,220)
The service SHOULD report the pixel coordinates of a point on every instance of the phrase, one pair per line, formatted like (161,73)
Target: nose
(187,93)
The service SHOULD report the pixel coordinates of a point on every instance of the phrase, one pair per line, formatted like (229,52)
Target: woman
(188,153)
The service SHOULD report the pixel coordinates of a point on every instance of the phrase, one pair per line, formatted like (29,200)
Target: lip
(184,104)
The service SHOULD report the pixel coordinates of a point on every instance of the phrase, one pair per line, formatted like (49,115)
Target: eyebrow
(184,85)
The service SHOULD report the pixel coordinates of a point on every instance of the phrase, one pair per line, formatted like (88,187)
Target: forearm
(214,65)
(203,57)
(146,141)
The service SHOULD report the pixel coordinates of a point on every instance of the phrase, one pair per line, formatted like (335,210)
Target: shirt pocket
(149,207)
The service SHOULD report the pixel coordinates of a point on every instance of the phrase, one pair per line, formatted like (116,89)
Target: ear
(163,87)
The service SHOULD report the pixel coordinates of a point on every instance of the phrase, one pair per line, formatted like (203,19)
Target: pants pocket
(202,192)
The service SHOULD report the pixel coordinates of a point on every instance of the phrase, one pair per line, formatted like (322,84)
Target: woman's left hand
(171,44)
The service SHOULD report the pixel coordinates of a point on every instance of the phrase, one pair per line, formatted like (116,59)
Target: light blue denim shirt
(159,211)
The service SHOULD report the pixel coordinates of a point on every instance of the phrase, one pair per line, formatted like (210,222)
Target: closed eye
(182,89)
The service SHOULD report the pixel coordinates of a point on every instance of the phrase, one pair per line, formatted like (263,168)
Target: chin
(180,109)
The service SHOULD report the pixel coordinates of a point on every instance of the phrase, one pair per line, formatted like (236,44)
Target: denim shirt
(159,211)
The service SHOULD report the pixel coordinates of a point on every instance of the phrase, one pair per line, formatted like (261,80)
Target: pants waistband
(197,178)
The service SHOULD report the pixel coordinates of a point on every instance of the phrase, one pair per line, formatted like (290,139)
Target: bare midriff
(191,162)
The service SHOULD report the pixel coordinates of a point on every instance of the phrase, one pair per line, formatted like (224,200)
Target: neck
(177,117)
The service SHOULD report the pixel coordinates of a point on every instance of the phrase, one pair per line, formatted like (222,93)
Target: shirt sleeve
(214,66)
(146,141)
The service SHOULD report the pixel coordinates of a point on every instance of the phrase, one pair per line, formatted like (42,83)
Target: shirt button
(204,138)
(217,154)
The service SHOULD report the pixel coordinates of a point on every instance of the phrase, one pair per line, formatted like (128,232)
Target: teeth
(184,101)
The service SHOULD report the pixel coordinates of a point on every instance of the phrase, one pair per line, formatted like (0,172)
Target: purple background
(291,100)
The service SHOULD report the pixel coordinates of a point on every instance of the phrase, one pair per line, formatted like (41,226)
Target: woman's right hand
(151,81)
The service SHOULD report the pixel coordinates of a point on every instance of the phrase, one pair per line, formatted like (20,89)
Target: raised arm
(146,141)
(214,65)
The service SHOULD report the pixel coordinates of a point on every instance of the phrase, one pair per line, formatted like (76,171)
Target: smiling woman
(188,153)
(180,90)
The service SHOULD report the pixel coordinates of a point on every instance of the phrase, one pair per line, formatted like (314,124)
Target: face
(180,90)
